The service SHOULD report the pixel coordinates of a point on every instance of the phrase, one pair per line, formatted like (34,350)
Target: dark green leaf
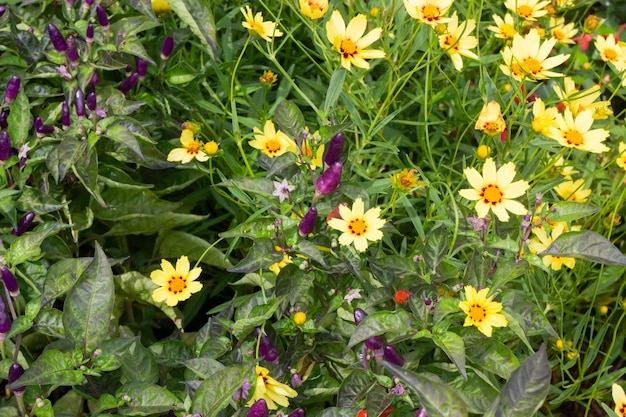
(49,321)
(381,323)
(588,245)
(203,367)
(62,276)
(452,344)
(33,199)
(354,388)
(215,348)
(139,364)
(492,355)
(144,7)
(64,156)
(436,246)
(289,119)
(122,135)
(52,368)
(199,18)
(106,402)
(19,120)
(215,393)
(86,169)
(27,247)
(258,315)
(151,224)
(147,399)
(334,89)
(569,211)
(261,256)
(126,203)
(112,352)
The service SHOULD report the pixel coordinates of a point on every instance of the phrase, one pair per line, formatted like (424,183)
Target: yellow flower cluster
(192,147)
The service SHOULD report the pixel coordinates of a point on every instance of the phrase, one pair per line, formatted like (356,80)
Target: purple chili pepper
(15,372)
(79,98)
(391,355)
(88,2)
(299,412)
(23,224)
(335,149)
(13,88)
(267,348)
(4,119)
(142,66)
(10,282)
(359,315)
(101,15)
(258,409)
(72,52)
(375,343)
(95,79)
(89,37)
(58,41)
(41,129)
(92,104)
(129,83)
(5,146)
(65,115)
(5,320)
(307,225)
(330,179)
(2,10)
(167,48)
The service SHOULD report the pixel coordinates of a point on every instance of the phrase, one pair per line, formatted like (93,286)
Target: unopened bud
(5,146)
(129,83)
(72,52)
(259,409)
(307,225)
(375,343)
(167,48)
(102,17)
(421,413)
(391,355)
(2,10)
(335,149)
(13,88)
(89,37)
(330,179)
(4,119)
(95,79)
(57,39)
(427,301)
(79,102)
(15,372)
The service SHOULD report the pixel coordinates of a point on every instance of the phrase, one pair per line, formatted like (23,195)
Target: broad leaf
(335,88)
(569,211)
(199,18)
(52,368)
(174,244)
(381,323)
(147,399)
(289,119)
(215,393)
(64,156)
(62,276)
(588,245)
(19,120)
(452,344)
(28,246)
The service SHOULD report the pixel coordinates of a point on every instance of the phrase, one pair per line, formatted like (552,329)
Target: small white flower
(353,294)
(282,190)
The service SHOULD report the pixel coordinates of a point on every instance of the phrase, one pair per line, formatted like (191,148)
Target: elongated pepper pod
(79,102)
(5,146)
(129,83)
(5,320)
(393,356)
(258,409)
(24,224)
(57,39)
(13,88)
(41,129)
(92,102)
(102,17)
(10,282)
(142,66)
(307,225)
(167,48)
(267,348)
(89,34)
(15,372)
(72,52)
(330,179)
(335,149)
(65,115)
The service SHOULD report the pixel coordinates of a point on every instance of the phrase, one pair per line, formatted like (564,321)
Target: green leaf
(289,119)
(526,390)
(334,89)
(381,323)
(122,135)
(123,204)
(507,271)
(28,246)
(89,305)
(139,364)
(19,120)
(86,169)
(62,276)
(261,256)
(52,367)
(452,344)
(49,321)
(435,248)
(199,18)
(588,245)
(112,352)
(438,398)
(174,244)
(258,315)
(144,7)
(106,402)
(568,211)
(203,367)
(147,399)
(153,224)
(492,355)
(33,199)
(215,393)
(64,156)
(354,388)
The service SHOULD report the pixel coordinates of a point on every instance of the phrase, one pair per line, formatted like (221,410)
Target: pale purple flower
(479,223)
(22,151)
(353,294)
(63,71)
(242,393)
(282,190)
(398,390)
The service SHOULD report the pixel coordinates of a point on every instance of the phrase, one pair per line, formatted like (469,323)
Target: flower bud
(79,98)
(359,315)
(167,48)
(72,52)
(23,224)
(57,39)
(13,88)
(142,66)
(5,320)
(259,409)
(10,282)
(41,129)
(267,348)
(335,149)
(5,146)
(101,15)
(65,115)
(89,37)
(330,179)
(92,103)
(307,225)
(129,83)
(297,413)
(15,372)
(391,355)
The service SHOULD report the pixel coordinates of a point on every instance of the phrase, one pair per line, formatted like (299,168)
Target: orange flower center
(508,31)
(533,65)
(257,27)
(193,148)
(477,313)
(525,11)
(176,284)
(516,69)
(273,146)
(610,54)
(407,180)
(574,138)
(357,227)
(451,40)
(558,35)
(492,127)
(313,5)
(491,194)
(431,12)
(348,48)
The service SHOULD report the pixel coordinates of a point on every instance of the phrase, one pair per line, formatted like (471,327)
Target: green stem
(233,106)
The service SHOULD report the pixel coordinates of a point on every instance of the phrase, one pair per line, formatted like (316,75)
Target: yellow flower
(161,6)
(313,9)
(527,9)
(541,241)
(620,400)
(431,12)
(504,29)
(562,32)
(621,159)
(490,119)
(272,391)
(494,190)
(374,12)
(566,170)
(315,157)
(268,78)
(603,310)
(575,132)
(481,311)
(573,191)
(358,227)
(272,142)
(543,119)
(530,57)
(559,344)
(176,284)
(211,148)
(577,100)
(276,267)
(483,151)
(609,49)
(266,30)
(457,40)
(350,42)
(192,148)
(406,180)
(299,318)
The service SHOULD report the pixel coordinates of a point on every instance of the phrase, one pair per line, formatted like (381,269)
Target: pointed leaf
(381,323)
(62,276)
(199,18)
(334,89)
(52,368)
(588,245)
(19,120)
(174,244)
(147,399)
(569,211)
(28,246)
(215,393)
(261,256)
(452,344)
(289,119)
(86,169)
(63,156)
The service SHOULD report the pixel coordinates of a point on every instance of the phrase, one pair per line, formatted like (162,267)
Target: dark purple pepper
(4,119)
(129,69)
(65,115)
(24,224)
(10,282)
(330,179)
(129,83)
(297,413)
(167,48)
(259,409)
(95,79)
(359,315)
(391,355)
(103,20)
(88,2)
(335,149)
(375,343)
(142,66)
(89,37)
(427,301)
(72,52)
(421,413)
(5,146)
(42,129)
(13,88)
(5,320)
(58,41)
(92,104)
(2,10)
(79,98)
(307,225)
(267,348)
(15,372)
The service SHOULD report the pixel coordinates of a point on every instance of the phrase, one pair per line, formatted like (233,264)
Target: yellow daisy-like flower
(268,78)
(192,148)
(561,31)
(495,190)
(619,398)
(543,119)
(579,100)
(566,170)
(609,49)
(482,312)
(176,284)
(573,191)
(277,266)
(254,23)
(621,159)
(542,241)
(458,40)
(358,227)
(527,9)
(161,6)
(272,391)
(406,180)
(504,29)
(490,119)
(576,132)
(272,142)
(529,56)
(314,9)
(431,12)
(350,42)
